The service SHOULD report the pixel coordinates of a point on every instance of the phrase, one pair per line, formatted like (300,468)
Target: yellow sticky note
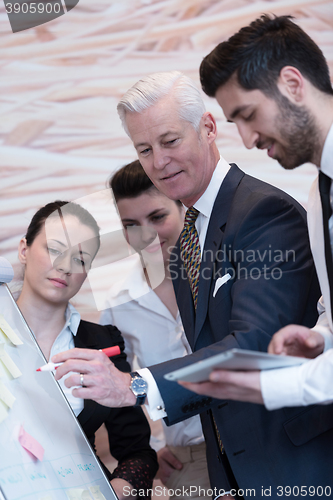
(78,494)
(86,495)
(96,493)
(9,332)
(6,396)
(3,411)
(9,363)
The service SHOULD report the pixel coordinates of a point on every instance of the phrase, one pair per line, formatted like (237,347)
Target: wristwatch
(139,388)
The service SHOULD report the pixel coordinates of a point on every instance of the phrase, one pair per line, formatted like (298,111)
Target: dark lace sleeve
(138,473)
(129,435)
(127,428)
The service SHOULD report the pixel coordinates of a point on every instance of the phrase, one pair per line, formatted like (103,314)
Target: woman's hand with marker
(102,381)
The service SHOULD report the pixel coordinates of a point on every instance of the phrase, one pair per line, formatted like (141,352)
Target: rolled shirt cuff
(281,387)
(303,385)
(155,405)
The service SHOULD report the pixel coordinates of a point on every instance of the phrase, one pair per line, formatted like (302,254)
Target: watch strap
(140,398)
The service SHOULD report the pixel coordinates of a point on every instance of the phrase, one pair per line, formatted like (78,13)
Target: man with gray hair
(241,270)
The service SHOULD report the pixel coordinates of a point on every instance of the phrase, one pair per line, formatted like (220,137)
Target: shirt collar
(326,164)
(206,202)
(73,319)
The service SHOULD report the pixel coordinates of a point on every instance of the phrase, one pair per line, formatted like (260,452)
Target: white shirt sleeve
(155,406)
(303,385)
(322,325)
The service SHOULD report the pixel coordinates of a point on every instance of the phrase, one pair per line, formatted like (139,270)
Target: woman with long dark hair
(57,251)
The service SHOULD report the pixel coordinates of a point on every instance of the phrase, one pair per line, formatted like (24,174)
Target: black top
(128,429)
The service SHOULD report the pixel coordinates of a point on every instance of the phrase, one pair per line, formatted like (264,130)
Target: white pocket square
(220,281)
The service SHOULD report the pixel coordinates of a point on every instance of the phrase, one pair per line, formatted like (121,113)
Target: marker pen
(109,351)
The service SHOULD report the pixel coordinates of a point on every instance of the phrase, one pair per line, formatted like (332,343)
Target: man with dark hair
(273,82)
(257,54)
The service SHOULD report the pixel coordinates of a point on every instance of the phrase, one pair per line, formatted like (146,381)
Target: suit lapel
(316,233)
(214,241)
(183,294)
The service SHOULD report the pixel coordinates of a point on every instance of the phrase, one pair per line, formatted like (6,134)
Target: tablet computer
(234,359)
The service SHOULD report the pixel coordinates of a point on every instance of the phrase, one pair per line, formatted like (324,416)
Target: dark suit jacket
(128,429)
(258,235)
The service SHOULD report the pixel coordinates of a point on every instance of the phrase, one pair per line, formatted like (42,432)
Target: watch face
(139,386)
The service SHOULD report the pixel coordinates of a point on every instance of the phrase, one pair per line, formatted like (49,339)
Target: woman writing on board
(57,251)
(151,323)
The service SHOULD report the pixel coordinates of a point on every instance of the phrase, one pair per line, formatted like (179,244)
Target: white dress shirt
(152,335)
(310,383)
(205,205)
(63,342)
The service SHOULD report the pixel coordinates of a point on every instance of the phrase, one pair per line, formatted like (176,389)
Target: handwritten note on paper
(9,363)
(6,396)
(30,444)
(9,332)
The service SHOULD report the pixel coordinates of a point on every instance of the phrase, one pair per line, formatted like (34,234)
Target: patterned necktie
(190,251)
(191,256)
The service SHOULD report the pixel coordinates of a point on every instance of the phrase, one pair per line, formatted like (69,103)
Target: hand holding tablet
(234,359)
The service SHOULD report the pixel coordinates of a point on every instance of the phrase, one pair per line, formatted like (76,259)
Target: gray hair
(149,90)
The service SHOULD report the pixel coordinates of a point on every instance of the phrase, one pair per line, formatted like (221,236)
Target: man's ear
(209,124)
(22,250)
(291,84)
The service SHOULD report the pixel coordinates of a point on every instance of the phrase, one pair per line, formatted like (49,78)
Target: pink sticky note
(30,444)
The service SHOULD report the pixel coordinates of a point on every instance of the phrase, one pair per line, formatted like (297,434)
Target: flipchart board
(44,454)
